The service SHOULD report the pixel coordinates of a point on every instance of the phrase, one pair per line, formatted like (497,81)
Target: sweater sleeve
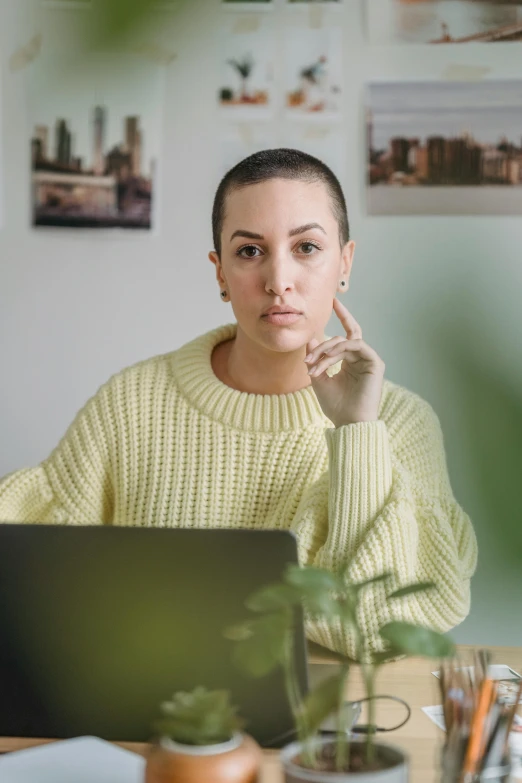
(73,485)
(391,508)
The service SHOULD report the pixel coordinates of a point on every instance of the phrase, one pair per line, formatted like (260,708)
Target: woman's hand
(354,393)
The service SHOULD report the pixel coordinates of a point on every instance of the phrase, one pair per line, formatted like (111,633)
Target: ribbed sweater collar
(242,410)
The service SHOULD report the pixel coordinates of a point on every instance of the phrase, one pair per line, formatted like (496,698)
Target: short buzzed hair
(279,164)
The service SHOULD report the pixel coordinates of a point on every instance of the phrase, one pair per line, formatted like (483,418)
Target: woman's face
(280,246)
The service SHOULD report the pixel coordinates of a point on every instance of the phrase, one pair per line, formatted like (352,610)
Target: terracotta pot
(236,761)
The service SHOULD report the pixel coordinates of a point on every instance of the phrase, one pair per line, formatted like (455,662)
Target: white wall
(75,308)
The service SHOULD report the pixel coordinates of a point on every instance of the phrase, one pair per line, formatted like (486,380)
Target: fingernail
(307,358)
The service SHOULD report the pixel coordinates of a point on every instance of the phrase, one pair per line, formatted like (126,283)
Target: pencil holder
(451,771)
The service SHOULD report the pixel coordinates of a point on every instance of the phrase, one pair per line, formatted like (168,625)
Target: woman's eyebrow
(300,230)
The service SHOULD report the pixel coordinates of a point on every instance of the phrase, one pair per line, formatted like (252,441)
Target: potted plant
(200,737)
(266,641)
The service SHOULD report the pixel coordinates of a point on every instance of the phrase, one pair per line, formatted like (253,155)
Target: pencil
(472,757)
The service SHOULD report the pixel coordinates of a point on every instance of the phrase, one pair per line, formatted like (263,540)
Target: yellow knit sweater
(166,444)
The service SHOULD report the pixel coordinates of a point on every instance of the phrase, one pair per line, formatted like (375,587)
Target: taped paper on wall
(26,54)
(465,73)
(315,16)
(247,5)
(246,24)
(155,53)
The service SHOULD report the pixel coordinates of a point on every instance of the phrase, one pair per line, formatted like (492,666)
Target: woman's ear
(347,260)
(214,257)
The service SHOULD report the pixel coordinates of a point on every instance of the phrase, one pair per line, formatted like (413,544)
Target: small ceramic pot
(396,771)
(235,761)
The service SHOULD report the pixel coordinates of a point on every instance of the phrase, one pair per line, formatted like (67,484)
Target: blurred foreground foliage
(115,20)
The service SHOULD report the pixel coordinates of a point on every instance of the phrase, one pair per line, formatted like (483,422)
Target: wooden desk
(410,679)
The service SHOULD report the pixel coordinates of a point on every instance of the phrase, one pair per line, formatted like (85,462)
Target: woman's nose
(279,274)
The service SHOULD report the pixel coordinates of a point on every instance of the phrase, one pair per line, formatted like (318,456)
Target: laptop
(99,625)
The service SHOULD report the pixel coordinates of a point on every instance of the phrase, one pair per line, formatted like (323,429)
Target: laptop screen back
(99,625)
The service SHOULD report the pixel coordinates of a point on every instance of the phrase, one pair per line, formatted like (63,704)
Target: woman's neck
(281,373)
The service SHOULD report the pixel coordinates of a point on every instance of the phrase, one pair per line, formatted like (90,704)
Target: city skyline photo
(444,148)
(95,142)
(107,188)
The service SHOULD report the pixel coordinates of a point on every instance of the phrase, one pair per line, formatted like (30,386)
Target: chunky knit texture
(166,444)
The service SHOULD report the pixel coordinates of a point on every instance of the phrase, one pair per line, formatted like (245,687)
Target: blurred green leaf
(115,20)
(324,699)
(479,382)
(118,17)
(415,640)
(418,587)
(265,649)
(311,578)
(374,580)
(322,604)
(273,597)
(380,658)
(239,632)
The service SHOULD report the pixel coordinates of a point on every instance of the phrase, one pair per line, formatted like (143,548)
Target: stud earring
(223,293)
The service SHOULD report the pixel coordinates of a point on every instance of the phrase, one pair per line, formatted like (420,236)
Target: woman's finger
(323,365)
(352,351)
(324,347)
(347,319)
(329,361)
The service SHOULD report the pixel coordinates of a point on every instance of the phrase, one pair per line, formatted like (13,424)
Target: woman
(268,422)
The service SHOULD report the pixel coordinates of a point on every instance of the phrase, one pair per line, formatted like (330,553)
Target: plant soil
(325,761)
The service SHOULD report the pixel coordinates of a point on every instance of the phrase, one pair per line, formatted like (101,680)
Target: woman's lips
(281,318)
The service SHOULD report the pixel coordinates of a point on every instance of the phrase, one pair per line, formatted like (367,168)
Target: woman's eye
(247,250)
(308,248)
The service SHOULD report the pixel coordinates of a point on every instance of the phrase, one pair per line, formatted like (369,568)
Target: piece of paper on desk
(497,671)
(436,714)
(78,760)
(507,678)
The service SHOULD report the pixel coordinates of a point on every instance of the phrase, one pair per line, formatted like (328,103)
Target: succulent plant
(201,717)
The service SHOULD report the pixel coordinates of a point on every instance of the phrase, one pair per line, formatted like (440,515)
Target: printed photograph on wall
(248,5)
(320,2)
(247,66)
(443,21)
(67,3)
(443,148)
(239,140)
(313,71)
(95,142)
